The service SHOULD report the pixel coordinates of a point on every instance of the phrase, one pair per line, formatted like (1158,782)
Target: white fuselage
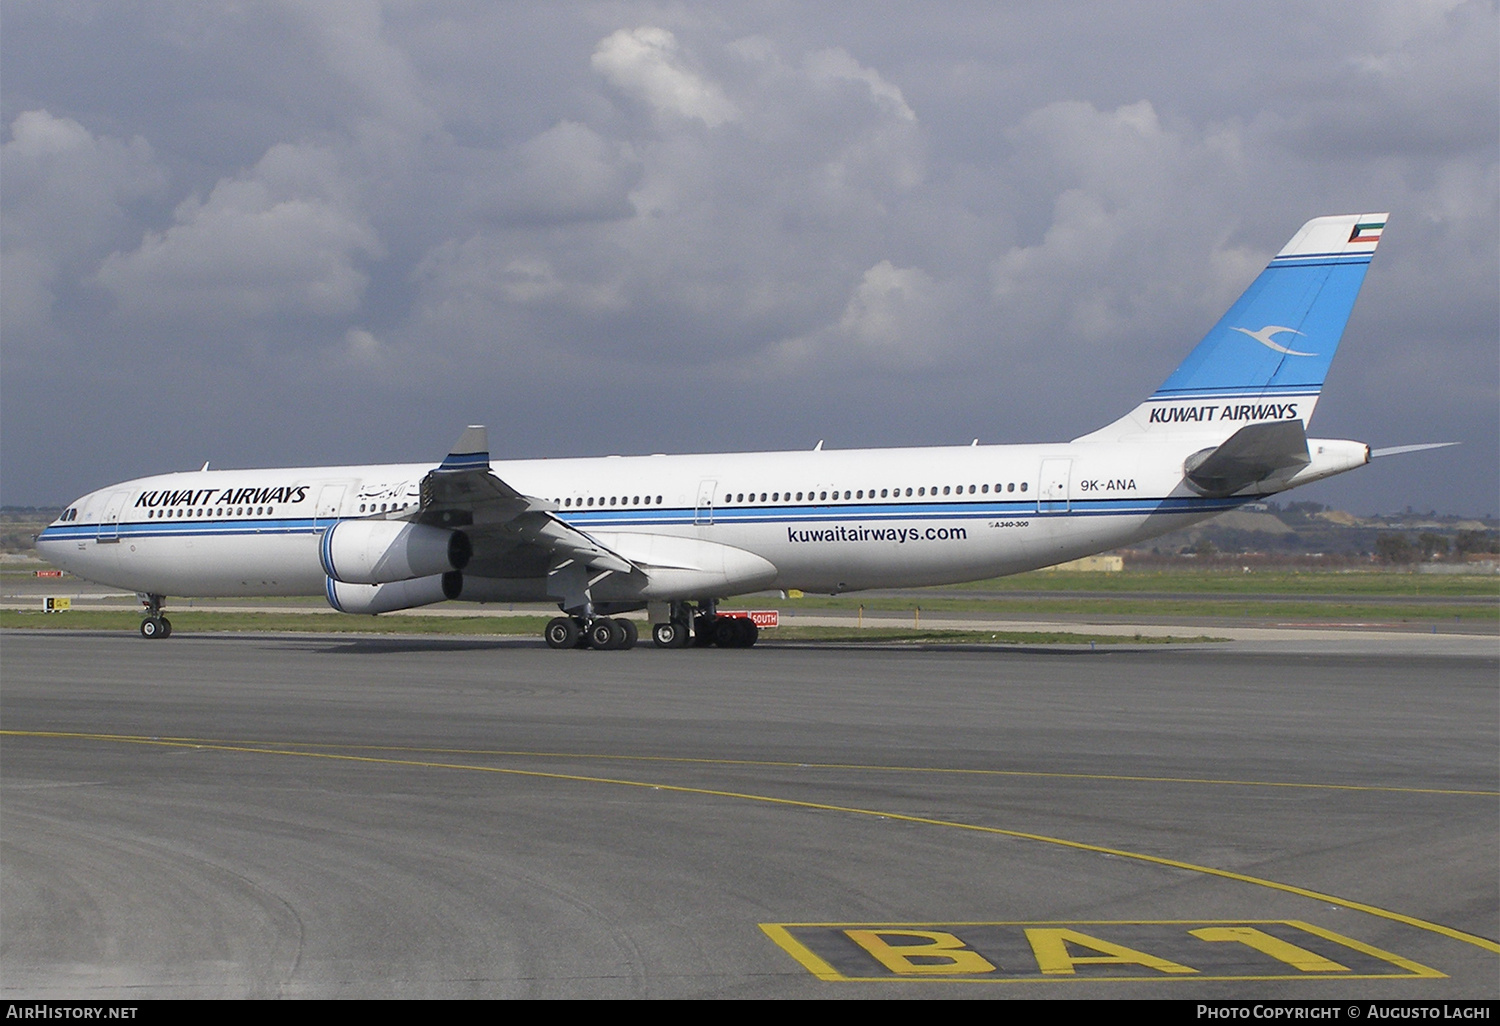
(824,521)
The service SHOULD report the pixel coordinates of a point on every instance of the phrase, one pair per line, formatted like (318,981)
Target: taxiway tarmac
(294,815)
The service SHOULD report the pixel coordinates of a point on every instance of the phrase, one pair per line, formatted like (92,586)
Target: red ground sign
(763,617)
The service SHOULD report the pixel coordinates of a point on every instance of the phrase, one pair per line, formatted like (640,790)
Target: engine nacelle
(386,598)
(385,551)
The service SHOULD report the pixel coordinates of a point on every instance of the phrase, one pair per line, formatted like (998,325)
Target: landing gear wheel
(730,632)
(561,632)
(153,623)
(725,632)
(606,634)
(632,635)
(673,634)
(703,630)
(735,632)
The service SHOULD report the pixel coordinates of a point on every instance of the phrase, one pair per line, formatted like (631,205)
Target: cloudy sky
(280,233)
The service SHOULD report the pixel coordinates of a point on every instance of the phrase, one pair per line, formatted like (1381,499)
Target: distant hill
(1311,532)
(20,524)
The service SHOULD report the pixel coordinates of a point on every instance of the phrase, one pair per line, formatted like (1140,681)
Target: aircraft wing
(512,534)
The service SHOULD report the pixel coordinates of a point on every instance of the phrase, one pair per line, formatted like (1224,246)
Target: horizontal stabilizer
(1397,450)
(1251,454)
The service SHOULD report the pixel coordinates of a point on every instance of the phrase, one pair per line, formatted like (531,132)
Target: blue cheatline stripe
(1321,259)
(1239,391)
(465,460)
(190,528)
(802,514)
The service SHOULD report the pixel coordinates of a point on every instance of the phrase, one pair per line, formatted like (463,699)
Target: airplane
(676,535)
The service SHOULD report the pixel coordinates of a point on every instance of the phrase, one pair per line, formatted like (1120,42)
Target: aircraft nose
(61,527)
(69,513)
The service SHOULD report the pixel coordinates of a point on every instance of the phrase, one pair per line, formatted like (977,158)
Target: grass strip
(1268,609)
(1483,588)
(338,623)
(1258,582)
(189,620)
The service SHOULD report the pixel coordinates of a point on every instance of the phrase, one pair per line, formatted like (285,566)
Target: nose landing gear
(154,625)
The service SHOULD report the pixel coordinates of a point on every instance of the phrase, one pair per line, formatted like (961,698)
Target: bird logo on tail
(1263,336)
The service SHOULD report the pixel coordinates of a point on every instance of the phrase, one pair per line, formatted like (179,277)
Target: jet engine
(386,551)
(387,598)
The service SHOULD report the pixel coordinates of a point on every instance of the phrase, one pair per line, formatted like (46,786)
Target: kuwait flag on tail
(1367,231)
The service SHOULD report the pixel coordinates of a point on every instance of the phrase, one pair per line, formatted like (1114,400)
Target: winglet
(471,451)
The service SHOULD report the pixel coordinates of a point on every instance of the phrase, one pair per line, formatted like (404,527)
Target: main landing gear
(610,634)
(709,628)
(602,632)
(154,624)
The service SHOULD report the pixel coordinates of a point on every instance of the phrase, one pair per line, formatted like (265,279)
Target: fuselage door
(1052,490)
(703,509)
(330,500)
(109,523)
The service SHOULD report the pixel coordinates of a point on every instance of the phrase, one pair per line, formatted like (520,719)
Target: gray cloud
(629,228)
(68,196)
(282,240)
(645,63)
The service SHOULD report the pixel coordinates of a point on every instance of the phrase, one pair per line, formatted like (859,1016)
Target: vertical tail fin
(1267,357)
